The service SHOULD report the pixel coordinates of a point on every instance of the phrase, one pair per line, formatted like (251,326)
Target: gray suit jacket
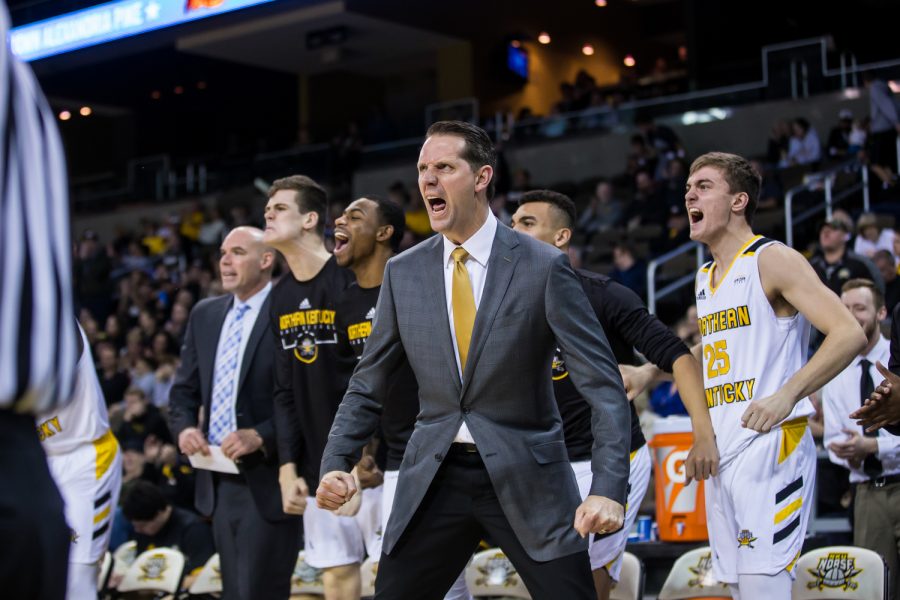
(531,296)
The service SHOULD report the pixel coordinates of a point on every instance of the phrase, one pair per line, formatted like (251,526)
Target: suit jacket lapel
(256,334)
(437,303)
(501,266)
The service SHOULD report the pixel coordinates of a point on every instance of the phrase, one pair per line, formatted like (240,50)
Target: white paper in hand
(216,461)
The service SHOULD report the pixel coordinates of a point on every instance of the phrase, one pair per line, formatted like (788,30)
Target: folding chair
(846,572)
(209,579)
(492,574)
(306,579)
(631,579)
(157,570)
(691,577)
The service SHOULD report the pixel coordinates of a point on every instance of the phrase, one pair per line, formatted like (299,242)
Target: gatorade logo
(674,466)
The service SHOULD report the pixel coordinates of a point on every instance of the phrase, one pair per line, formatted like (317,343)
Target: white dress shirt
(254,304)
(479,248)
(840,397)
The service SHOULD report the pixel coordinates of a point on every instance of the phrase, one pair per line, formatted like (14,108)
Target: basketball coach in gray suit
(478,312)
(227,369)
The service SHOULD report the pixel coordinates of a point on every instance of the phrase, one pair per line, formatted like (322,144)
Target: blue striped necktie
(221,421)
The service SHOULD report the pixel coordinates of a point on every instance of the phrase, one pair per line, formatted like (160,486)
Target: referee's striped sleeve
(37,340)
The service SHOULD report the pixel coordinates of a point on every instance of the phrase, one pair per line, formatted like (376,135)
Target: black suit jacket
(894,364)
(192,390)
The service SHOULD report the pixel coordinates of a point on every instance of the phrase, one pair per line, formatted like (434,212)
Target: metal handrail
(652,294)
(827,178)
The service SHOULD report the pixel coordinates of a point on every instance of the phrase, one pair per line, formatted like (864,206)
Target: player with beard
(309,382)
(550,217)
(366,236)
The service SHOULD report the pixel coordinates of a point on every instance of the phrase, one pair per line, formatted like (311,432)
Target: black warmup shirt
(627,325)
(185,532)
(356,310)
(309,379)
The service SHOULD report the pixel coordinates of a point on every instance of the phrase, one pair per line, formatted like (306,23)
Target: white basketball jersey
(84,419)
(748,351)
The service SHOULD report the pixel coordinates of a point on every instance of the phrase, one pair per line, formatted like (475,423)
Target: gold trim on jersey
(106,448)
(713,288)
(102,514)
(788,510)
(791,435)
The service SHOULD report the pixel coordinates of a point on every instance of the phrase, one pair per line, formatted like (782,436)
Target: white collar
(255,301)
(880,351)
(479,245)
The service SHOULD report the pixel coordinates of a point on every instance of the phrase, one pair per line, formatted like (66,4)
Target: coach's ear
(562,237)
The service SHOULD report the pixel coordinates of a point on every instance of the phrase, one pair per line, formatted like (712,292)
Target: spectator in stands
(113,332)
(674,182)
(883,128)
(804,147)
(870,237)
(640,157)
(628,269)
(779,140)
(663,143)
(771,191)
(158,524)
(91,270)
(113,380)
(646,207)
(839,137)
(677,230)
(141,419)
(212,231)
(418,227)
(836,264)
(885,262)
(603,212)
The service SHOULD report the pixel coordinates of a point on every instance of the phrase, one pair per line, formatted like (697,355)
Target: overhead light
(85,111)
(201,85)
(629,61)
(587,50)
(515,43)
(178,90)
(155,94)
(544,37)
(600,3)
(65,115)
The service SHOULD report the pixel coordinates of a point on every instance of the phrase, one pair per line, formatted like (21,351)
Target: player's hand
(855,448)
(352,506)
(637,379)
(703,460)
(599,514)
(762,415)
(370,476)
(335,489)
(191,441)
(241,443)
(293,496)
(883,406)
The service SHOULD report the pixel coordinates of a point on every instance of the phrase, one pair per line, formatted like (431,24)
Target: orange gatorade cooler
(680,508)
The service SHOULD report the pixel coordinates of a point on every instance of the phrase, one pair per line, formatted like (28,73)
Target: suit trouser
(34,552)
(257,556)
(876,525)
(458,510)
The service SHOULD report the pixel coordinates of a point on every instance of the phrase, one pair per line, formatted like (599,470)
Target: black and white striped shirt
(37,340)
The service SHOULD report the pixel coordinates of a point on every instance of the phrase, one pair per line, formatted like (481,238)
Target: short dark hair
(143,501)
(861,282)
(479,149)
(739,175)
(563,204)
(310,196)
(392,214)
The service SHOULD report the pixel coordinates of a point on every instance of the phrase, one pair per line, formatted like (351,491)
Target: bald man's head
(245,262)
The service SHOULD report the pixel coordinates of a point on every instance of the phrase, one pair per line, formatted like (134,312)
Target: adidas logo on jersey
(701,295)
(371,314)
(305,304)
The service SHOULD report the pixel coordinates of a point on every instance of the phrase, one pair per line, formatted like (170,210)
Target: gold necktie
(463,301)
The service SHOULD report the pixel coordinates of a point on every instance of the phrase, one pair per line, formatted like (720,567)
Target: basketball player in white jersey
(86,464)
(755,302)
